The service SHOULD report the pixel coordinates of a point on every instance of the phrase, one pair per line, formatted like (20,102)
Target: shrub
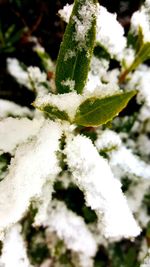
(74,176)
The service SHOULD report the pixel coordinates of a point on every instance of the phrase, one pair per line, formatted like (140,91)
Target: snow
(140,19)
(65,102)
(15,131)
(98,70)
(16,70)
(70,83)
(71,228)
(113,41)
(34,164)
(66,12)
(8,108)
(14,249)
(140,80)
(110,33)
(83,22)
(146,262)
(128,163)
(108,140)
(102,191)
(32,78)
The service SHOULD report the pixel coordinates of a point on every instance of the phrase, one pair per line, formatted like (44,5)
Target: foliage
(74,172)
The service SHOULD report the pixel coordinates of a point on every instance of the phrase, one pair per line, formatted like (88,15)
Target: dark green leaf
(10,31)
(95,111)
(75,53)
(100,52)
(53,112)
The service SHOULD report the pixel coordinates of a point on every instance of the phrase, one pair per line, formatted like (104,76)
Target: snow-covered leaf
(34,164)
(60,106)
(102,191)
(71,228)
(142,55)
(77,47)
(95,111)
(53,112)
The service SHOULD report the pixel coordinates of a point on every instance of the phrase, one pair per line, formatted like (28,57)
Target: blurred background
(19,20)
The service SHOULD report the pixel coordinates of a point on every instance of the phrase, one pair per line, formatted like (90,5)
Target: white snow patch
(102,191)
(66,12)
(140,19)
(34,164)
(69,83)
(8,108)
(110,33)
(71,228)
(16,70)
(14,249)
(15,131)
(108,140)
(128,163)
(83,22)
(68,102)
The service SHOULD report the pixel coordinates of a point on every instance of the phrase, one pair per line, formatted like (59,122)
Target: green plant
(77,187)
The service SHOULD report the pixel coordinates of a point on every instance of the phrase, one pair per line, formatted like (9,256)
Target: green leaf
(96,111)
(100,52)
(53,112)
(142,55)
(135,41)
(77,48)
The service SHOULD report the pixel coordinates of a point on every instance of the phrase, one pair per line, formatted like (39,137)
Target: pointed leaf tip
(77,48)
(96,111)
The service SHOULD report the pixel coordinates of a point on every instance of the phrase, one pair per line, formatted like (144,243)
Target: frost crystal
(70,83)
(34,164)
(70,54)
(66,12)
(84,21)
(102,191)
(14,249)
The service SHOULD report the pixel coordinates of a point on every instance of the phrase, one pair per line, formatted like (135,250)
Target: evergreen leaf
(53,112)
(142,55)
(96,111)
(77,48)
